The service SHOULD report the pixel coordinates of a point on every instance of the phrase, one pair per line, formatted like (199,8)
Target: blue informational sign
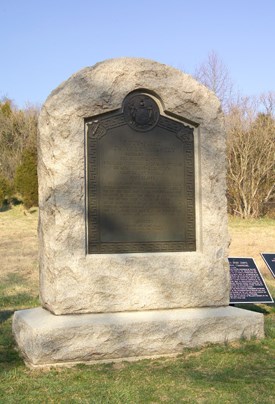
(247,284)
(269,259)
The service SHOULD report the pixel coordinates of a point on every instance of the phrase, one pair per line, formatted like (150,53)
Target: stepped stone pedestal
(133,236)
(49,340)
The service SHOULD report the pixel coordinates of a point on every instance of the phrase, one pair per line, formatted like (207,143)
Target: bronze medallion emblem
(141,112)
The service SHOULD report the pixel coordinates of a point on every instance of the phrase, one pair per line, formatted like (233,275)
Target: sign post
(247,284)
(269,259)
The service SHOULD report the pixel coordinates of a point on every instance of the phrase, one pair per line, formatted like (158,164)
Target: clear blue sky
(43,42)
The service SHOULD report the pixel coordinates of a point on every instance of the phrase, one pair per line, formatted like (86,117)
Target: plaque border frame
(114,119)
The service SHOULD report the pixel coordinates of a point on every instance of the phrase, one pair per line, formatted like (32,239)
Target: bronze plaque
(140,177)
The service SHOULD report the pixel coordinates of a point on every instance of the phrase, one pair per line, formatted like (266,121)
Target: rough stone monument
(133,221)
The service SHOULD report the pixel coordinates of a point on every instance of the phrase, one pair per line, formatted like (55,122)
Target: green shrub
(25,180)
(5,190)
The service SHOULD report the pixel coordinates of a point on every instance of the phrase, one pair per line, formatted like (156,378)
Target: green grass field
(241,372)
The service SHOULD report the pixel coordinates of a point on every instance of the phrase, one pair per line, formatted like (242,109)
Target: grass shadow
(5,207)
(19,299)
(5,314)
(8,204)
(8,353)
(251,307)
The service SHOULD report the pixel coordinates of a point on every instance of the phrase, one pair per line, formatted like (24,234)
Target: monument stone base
(48,340)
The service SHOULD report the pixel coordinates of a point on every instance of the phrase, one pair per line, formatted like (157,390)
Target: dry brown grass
(18,247)
(18,250)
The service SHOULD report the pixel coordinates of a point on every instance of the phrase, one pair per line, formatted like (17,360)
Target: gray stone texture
(72,281)
(46,339)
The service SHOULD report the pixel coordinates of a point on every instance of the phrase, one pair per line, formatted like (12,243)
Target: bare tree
(268,102)
(214,74)
(251,158)
(250,128)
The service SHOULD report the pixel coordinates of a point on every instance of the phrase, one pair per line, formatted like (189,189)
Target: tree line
(249,123)
(18,157)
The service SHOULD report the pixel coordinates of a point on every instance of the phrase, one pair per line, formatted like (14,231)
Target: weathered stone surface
(73,282)
(46,339)
(139,305)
